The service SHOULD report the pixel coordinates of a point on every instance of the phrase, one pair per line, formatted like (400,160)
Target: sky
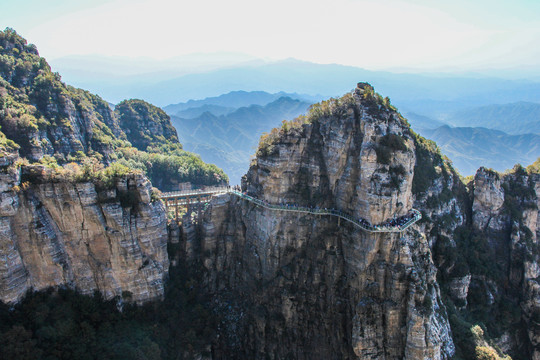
(416,35)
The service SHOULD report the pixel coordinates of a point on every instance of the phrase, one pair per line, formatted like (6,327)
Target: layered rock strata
(73,234)
(506,212)
(305,287)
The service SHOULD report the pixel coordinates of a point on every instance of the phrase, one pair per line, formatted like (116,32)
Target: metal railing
(364,225)
(196,192)
(361,223)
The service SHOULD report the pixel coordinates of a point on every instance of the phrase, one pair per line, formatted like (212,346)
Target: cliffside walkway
(196,196)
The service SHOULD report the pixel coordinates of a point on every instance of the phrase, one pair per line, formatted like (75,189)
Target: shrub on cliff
(430,164)
(334,107)
(7,145)
(90,170)
(534,168)
(388,144)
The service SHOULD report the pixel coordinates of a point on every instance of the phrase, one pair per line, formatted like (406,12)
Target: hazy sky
(374,34)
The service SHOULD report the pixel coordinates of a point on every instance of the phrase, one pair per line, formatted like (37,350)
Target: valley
(347,233)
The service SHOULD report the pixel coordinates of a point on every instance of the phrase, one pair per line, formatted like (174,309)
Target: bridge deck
(415,215)
(194,193)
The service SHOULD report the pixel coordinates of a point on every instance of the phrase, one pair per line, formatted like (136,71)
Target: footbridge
(190,199)
(197,197)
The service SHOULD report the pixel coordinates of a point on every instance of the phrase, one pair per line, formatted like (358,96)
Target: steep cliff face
(55,232)
(484,240)
(300,286)
(506,213)
(353,158)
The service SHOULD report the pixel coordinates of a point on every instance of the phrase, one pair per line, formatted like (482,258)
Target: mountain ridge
(470,148)
(237,99)
(513,118)
(230,140)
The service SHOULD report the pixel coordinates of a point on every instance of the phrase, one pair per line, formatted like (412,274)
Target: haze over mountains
(166,85)
(515,118)
(220,103)
(230,101)
(230,140)
(469,146)
(228,135)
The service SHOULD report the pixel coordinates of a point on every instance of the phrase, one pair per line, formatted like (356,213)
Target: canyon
(80,213)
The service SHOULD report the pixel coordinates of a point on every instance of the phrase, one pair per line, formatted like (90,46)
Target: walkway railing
(415,215)
(215,190)
(364,225)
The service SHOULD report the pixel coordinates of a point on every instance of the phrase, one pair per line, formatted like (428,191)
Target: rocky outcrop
(486,250)
(43,115)
(63,233)
(335,162)
(488,200)
(305,287)
(321,288)
(459,289)
(506,212)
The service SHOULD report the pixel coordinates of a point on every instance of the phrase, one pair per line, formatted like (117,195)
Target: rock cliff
(76,209)
(299,286)
(506,216)
(462,282)
(55,232)
(484,240)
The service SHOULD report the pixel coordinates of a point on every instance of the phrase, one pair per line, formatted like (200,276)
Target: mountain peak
(364,86)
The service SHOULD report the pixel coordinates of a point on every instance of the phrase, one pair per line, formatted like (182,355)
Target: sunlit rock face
(333,162)
(488,200)
(311,287)
(72,234)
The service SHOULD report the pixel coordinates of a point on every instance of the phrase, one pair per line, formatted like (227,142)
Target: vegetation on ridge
(43,118)
(333,107)
(146,125)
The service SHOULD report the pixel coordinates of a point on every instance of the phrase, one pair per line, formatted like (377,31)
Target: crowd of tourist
(391,224)
(400,221)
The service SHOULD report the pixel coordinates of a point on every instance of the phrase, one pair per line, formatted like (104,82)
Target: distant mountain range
(226,103)
(419,122)
(230,140)
(426,94)
(225,130)
(515,118)
(191,113)
(429,101)
(472,147)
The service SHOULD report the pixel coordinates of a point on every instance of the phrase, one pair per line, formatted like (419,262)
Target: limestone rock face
(333,163)
(506,211)
(459,288)
(488,199)
(300,286)
(71,234)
